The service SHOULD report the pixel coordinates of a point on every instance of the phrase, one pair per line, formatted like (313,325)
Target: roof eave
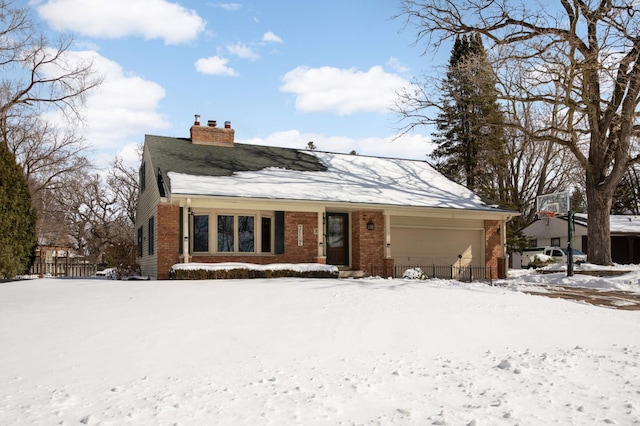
(321,205)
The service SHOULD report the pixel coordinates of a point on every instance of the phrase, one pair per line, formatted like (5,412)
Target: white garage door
(424,246)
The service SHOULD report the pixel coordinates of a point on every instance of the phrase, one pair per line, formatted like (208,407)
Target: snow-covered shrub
(541,260)
(414,274)
(246,273)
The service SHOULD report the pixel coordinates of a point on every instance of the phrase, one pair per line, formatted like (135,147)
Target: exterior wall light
(370,225)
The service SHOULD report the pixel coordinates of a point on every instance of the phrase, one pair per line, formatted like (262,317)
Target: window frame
(151,231)
(213,231)
(143,176)
(555,242)
(140,241)
(193,232)
(272,238)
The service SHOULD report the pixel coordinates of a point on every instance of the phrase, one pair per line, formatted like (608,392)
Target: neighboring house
(554,231)
(207,199)
(58,261)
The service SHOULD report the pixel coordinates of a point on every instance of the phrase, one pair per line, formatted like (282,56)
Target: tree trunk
(598,226)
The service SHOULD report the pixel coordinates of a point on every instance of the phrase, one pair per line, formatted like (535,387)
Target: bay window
(234,233)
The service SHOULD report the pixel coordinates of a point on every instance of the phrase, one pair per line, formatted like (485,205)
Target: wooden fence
(63,267)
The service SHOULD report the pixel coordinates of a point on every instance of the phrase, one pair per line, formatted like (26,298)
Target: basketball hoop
(546,214)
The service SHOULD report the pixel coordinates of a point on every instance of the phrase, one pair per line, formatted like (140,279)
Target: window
(140,241)
(234,233)
(225,234)
(265,246)
(555,242)
(533,242)
(201,233)
(246,234)
(152,235)
(143,176)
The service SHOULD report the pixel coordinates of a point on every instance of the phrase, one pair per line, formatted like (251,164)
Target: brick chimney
(211,134)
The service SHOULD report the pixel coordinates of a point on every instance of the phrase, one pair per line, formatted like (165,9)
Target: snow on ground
(313,352)
(557,276)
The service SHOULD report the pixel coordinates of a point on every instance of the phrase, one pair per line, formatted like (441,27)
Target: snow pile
(524,279)
(313,351)
(543,258)
(414,274)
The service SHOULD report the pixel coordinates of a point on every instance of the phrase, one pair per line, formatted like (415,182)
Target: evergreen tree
(470,124)
(17,218)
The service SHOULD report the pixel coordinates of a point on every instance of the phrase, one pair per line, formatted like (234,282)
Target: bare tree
(38,77)
(100,215)
(49,156)
(123,183)
(582,58)
(35,73)
(536,165)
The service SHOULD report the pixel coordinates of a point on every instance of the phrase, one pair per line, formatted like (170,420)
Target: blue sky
(283,72)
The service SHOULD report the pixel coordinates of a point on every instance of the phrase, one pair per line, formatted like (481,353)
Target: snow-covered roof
(619,224)
(347,178)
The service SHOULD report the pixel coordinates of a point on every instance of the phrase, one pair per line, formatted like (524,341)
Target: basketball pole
(570,240)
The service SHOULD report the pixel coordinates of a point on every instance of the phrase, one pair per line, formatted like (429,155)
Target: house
(58,261)
(554,231)
(208,199)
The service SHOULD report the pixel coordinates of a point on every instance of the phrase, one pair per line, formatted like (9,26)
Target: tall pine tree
(470,124)
(17,218)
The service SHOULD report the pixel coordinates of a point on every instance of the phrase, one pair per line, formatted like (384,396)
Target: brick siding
(494,261)
(367,245)
(169,235)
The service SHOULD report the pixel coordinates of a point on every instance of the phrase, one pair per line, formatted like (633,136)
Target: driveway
(616,299)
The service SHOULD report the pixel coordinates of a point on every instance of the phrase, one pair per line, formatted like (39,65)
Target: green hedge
(244,273)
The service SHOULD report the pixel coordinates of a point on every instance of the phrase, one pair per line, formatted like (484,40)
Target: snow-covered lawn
(315,352)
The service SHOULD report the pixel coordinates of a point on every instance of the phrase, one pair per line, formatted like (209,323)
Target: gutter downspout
(185,227)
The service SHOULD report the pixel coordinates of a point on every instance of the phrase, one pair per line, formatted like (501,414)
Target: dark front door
(337,239)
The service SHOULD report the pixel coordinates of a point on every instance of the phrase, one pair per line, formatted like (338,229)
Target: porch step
(350,274)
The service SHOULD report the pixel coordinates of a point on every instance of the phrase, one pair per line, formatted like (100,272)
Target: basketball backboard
(558,203)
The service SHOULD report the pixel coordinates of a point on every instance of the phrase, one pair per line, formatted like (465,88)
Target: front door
(337,239)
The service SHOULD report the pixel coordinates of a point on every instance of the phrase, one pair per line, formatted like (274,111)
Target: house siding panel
(148,207)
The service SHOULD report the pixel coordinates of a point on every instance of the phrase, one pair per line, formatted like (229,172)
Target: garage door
(423,246)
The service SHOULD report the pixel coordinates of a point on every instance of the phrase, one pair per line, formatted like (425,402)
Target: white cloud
(121,18)
(230,7)
(270,37)
(395,65)
(411,146)
(122,107)
(215,65)
(130,154)
(342,91)
(242,51)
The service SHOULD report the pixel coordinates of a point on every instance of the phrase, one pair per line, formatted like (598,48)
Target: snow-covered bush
(541,260)
(414,274)
(211,272)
